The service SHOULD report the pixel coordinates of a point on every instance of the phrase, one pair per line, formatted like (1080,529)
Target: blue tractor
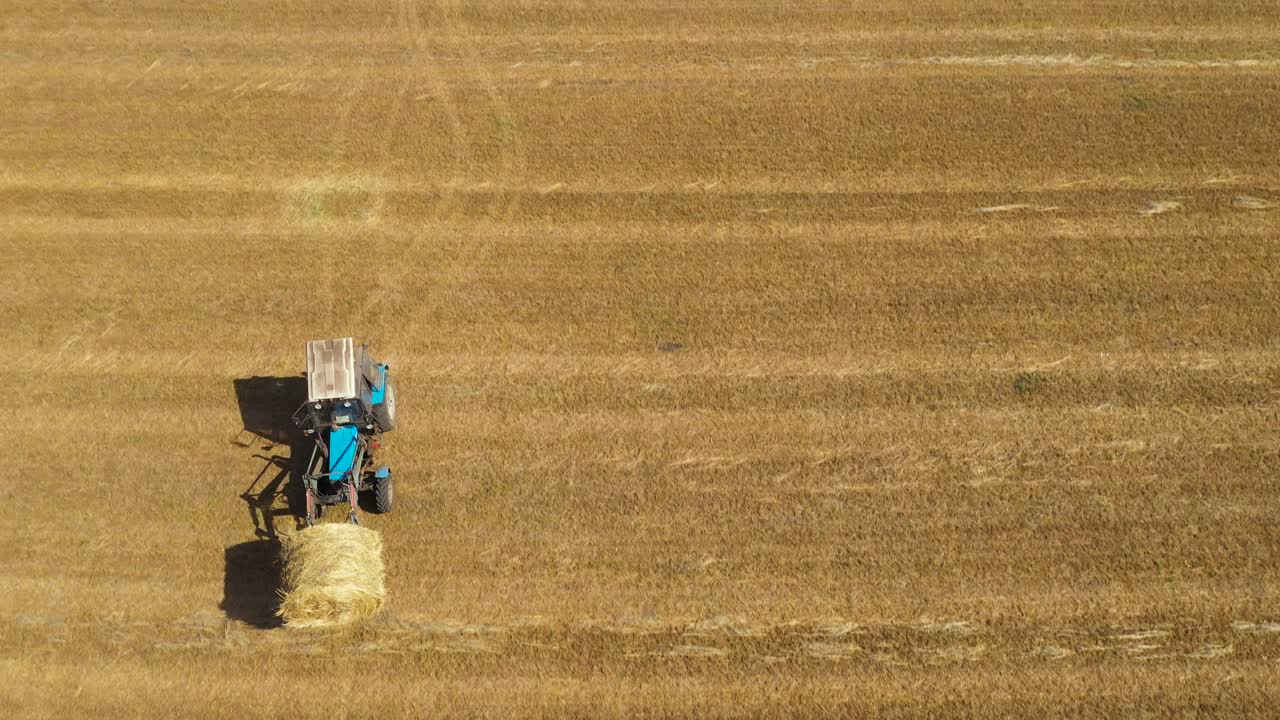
(350,404)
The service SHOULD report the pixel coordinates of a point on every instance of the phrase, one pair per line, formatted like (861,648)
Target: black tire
(383,493)
(385,412)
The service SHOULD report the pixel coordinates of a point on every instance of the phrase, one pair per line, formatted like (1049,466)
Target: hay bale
(333,575)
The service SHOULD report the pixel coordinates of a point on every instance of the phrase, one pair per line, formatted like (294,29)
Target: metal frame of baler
(354,481)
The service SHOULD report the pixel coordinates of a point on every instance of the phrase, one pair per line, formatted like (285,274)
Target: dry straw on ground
(333,575)
(827,374)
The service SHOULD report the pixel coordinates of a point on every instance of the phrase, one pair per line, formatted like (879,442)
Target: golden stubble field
(844,359)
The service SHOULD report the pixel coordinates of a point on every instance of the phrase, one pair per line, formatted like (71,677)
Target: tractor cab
(350,403)
(346,386)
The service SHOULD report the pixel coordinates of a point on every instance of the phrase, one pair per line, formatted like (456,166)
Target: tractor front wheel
(385,412)
(383,493)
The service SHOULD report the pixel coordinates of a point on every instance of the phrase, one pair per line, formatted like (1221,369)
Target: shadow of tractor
(267,405)
(252,572)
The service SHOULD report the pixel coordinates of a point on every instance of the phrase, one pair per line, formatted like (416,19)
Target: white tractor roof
(331,369)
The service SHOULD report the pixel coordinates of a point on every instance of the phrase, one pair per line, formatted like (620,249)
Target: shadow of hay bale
(250,583)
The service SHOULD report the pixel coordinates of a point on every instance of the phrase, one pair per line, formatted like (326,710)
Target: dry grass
(333,576)
(808,359)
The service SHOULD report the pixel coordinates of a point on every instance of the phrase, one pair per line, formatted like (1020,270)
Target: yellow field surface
(753,359)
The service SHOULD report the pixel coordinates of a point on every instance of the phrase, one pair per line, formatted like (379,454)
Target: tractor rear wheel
(383,494)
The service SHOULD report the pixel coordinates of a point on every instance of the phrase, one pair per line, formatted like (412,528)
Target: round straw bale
(333,575)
